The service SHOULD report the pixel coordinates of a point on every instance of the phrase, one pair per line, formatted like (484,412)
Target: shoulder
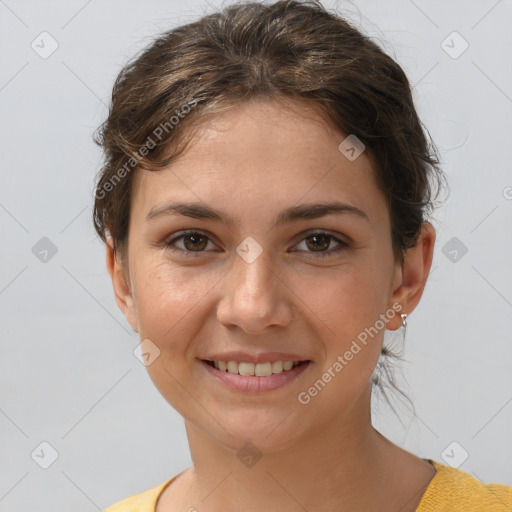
(452,489)
(142,502)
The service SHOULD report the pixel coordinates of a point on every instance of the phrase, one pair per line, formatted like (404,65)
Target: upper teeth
(259,369)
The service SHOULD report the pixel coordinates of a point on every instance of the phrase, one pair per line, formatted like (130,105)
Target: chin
(274,433)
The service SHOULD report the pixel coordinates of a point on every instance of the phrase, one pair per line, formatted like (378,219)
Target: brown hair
(292,50)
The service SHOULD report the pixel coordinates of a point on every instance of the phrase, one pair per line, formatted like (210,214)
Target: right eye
(193,242)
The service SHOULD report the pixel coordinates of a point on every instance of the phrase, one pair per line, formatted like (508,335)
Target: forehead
(263,153)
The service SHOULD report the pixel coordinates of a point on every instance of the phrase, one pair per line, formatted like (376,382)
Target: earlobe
(121,285)
(415,270)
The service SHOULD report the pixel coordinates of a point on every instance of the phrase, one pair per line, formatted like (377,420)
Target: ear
(412,276)
(121,286)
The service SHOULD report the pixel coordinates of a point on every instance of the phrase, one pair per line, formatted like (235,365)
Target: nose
(254,297)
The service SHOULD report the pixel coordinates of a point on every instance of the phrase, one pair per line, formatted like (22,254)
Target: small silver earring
(401,346)
(395,346)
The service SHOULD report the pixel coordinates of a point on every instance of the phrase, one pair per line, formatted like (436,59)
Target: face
(236,285)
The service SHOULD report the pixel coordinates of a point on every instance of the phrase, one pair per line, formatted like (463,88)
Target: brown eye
(194,243)
(197,242)
(317,244)
(191,242)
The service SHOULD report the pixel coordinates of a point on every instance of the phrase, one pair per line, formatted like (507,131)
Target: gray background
(68,375)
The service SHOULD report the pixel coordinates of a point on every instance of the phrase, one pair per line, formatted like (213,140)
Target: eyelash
(342,244)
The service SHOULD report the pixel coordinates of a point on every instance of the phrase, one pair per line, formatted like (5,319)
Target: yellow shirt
(451,490)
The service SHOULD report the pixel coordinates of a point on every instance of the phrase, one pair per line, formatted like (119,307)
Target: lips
(252,383)
(260,365)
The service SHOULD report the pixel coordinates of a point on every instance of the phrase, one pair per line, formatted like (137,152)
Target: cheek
(348,310)
(168,310)
(349,306)
(346,302)
(167,303)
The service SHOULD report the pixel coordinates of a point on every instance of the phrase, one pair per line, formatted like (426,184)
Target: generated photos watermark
(158,134)
(304,397)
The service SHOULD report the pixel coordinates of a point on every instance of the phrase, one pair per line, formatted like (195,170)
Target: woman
(263,203)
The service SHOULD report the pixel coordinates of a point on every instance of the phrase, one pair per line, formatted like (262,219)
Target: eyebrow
(303,211)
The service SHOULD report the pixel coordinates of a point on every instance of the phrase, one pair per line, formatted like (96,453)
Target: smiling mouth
(254,369)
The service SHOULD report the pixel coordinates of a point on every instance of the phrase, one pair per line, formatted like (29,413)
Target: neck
(343,461)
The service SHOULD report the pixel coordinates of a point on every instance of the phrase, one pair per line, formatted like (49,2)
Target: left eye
(323,241)
(199,241)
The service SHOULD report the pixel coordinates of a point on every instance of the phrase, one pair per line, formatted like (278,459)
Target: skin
(251,162)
